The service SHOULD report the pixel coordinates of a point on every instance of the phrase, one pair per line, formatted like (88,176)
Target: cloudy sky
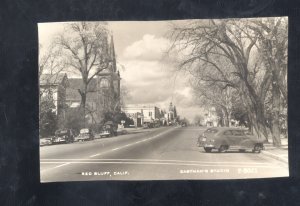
(145,70)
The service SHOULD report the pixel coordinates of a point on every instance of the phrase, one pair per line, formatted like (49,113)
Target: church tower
(171,107)
(109,84)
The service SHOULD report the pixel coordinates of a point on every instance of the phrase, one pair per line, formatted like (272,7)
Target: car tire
(222,148)
(206,149)
(257,148)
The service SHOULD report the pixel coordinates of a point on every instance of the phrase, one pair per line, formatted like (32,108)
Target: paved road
(157,154)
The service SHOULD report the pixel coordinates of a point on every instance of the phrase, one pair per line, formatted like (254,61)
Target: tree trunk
(256,115)
(260,122)
(83,95)
(225,117)
(229,119)
(275,117)
(257,118)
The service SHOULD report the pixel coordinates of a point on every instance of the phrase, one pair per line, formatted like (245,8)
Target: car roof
(59,130)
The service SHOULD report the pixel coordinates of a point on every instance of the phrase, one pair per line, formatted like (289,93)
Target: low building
(142,113)
(53,87)
(171,115)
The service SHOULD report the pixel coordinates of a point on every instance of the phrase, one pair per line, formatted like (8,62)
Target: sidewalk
(124,131)
(280,154)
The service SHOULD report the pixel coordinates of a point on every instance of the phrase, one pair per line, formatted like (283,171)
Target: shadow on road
(228,152)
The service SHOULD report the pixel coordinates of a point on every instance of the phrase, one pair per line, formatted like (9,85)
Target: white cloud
(150,79)
(148,48)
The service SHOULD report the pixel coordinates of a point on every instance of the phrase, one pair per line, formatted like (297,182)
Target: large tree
(228,53)
(47,117)
(50,65)
(213,95)
(272,45)
(85,50)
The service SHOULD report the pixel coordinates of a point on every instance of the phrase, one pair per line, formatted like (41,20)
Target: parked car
(63,135)
(145,126)
(148,125)
(109,129)
(85,134)
(183,124)
(45,141)
(225,138)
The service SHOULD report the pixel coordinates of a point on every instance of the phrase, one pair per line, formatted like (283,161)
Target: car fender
(218,142)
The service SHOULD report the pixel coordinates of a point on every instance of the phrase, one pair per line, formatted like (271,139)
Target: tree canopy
(237,58)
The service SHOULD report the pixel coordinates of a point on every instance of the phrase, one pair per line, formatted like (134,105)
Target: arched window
(104,83)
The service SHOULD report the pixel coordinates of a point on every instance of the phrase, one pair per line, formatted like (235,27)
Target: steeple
(112,54)
(171,107)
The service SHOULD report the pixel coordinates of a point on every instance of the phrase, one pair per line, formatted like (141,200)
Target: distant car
(183,124)
(225,138)
(109,129)
(105,133)
(148,125)
(85,134)
(63,136)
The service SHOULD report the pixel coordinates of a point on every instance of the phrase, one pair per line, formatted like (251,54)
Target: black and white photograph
(197,99)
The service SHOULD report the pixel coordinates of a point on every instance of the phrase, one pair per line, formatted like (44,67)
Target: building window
(104,83)
(150,114)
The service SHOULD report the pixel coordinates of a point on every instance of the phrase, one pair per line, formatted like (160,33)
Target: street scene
(163,100)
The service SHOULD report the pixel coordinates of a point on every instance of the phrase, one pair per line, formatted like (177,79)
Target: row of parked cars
(85,134)
(68,136)
(229,138)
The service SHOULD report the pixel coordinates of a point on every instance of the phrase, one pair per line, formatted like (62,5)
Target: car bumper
(59,140)
(45,143)
(208,145)
(82,138)
(104,134)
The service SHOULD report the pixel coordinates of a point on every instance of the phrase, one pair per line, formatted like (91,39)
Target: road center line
(118,148)
(128,145)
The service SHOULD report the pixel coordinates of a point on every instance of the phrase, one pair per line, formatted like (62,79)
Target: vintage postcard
(163,100)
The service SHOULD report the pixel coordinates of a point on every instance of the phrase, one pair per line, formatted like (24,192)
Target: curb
(274,156)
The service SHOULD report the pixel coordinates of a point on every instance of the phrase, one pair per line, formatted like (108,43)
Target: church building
(103,91)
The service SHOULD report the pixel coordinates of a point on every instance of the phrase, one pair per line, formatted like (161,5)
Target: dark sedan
(225,138)
(63,135)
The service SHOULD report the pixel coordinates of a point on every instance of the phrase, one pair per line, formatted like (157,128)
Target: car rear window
(238,132)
